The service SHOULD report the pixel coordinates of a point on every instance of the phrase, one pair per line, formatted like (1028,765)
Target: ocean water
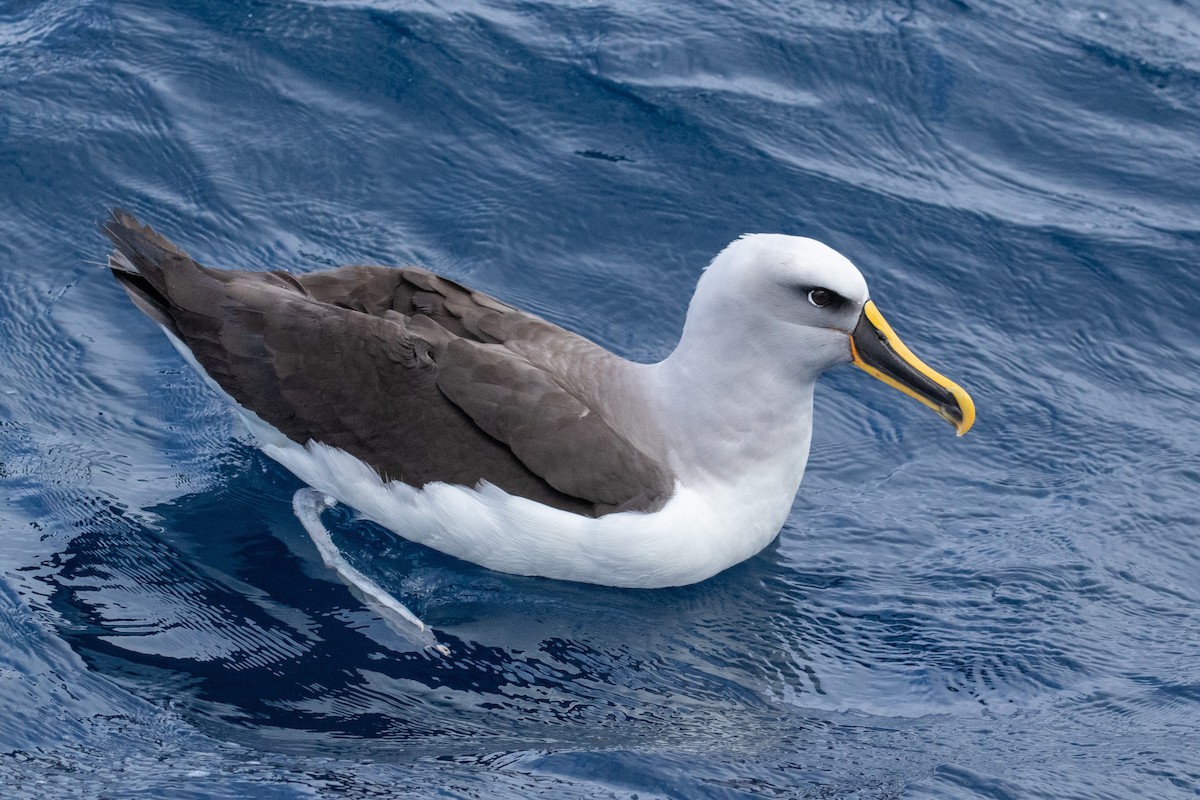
(1014,614)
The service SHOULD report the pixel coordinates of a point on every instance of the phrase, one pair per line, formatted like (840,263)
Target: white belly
(686,541)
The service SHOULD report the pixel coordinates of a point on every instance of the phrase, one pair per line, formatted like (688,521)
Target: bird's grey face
(811,300)
(806,284)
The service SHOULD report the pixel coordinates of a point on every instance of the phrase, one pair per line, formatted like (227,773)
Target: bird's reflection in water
(226,611)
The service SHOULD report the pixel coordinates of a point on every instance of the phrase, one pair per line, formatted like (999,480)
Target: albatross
(488,433)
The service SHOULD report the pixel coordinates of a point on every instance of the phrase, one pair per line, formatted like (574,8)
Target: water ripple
(939,618)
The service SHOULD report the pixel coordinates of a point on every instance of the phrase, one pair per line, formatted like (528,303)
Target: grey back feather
(418,376)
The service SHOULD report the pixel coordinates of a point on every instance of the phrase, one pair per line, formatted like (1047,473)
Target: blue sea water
(1015,614)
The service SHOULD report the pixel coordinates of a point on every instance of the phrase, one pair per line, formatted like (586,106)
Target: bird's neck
(734,412)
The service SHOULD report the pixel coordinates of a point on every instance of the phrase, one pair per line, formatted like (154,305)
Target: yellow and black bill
(877,350)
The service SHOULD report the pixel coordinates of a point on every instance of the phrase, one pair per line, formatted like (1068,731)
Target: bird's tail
(141,261)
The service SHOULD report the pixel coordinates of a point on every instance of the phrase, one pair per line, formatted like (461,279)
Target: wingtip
(133,238)
(112,225)
(118,219)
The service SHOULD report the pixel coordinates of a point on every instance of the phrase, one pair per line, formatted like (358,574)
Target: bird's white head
(795,307)
(787,296)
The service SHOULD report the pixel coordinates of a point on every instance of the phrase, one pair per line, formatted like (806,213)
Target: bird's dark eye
(820,297)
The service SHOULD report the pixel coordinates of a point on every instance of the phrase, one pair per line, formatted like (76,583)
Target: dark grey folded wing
(415,375)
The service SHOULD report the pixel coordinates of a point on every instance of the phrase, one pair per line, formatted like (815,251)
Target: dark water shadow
(223,610)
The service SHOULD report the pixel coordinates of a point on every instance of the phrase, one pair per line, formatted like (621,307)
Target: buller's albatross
(487,433)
